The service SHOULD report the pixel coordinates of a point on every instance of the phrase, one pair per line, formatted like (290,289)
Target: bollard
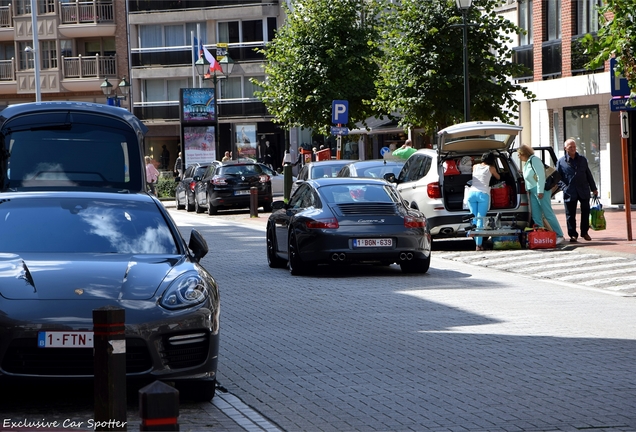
(253,201)
(159,407)
(109,351)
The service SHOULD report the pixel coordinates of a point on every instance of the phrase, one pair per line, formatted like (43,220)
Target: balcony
(183,55)
(89,67)
(5,17)
(241,108)
(551,57)
(7,70)
(86,12)
(161,5)
(580,58)
(524,55)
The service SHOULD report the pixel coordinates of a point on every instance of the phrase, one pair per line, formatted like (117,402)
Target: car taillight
(433,190)
(414,222)
(192,184)
(522,187)
(331,223)
(263,178)
(218,180)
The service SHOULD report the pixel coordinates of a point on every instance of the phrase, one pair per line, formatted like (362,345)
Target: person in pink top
(152,175)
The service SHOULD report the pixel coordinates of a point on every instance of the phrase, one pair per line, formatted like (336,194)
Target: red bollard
(159,407)
(109,343)
(253,201)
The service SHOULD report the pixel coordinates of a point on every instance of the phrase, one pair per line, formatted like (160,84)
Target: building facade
(162,56)
(79,44)
(571,100)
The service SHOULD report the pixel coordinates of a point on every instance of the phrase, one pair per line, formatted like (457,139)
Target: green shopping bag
(597,215)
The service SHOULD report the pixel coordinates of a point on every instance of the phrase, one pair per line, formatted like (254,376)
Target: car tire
(273,260)
(189,207)
(295,263)
(177,203)
(416,265)
(212,209)
(198,391)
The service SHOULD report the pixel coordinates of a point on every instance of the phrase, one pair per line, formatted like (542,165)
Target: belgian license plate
(242,192)
(60,339)
(384,242)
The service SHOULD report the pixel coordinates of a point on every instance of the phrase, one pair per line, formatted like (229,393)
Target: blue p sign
(340,112)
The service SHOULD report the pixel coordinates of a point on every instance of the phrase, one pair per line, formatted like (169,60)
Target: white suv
(433,181)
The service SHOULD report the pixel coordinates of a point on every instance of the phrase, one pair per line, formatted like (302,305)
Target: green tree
(326,50)
(616,37)
(422,75)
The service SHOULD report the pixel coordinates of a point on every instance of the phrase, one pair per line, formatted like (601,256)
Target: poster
(199,144)
(197,105)
(246,141)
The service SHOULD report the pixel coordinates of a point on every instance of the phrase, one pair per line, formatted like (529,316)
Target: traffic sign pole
(626,188)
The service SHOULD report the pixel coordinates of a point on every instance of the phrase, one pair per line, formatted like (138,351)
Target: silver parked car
(433,181)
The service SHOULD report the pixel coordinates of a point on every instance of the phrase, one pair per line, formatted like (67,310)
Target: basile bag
(541,238)
(597,215)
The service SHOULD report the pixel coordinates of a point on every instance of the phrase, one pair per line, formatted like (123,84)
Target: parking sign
(340,112)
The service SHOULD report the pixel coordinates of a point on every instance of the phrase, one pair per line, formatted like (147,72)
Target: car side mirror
(277,205)
(198,245)
(390,177)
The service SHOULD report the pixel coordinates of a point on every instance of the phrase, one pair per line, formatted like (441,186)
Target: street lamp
(464,6)
(115,99)
(203,69)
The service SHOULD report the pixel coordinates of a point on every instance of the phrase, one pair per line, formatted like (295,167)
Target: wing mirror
(198,245)
(277,205)
(390,177)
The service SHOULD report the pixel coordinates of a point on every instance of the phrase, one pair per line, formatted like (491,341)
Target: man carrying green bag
(597,215)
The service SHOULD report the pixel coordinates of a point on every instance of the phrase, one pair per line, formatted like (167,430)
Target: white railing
(86,12)
(89,66)
(7,70)
(5,16)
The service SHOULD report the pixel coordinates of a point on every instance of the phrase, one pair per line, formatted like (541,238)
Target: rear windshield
(355,193)
(80,225)
(90,151)
(240,170)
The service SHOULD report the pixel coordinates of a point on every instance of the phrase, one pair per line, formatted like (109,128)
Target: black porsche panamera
(341,221)
(78,232)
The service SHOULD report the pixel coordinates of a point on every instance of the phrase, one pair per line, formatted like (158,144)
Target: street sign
(384,150)
(618,84)
(624,125)
(339,130)
(620,104)
(339,112)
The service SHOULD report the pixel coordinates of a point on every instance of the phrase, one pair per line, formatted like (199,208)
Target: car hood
(479,136)
(87,276)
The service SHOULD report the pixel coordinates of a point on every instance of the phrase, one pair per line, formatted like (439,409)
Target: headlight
(186,291)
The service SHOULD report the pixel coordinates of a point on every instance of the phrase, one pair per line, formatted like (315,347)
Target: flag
(197,50)
(214,65)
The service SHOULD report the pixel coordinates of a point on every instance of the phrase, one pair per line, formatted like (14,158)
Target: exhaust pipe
(446,231)
(406,256)
(334,257)
(342,257)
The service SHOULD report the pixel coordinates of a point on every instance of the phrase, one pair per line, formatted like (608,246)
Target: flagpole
(194,47)
(199,52)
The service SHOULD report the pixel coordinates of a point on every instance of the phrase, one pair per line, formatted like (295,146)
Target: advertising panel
(199,144)
(246,141)
(197,105)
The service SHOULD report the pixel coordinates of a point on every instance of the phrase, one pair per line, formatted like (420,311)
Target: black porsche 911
(347,221)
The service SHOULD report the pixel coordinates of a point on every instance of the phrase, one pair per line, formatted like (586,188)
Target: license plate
(241,192)
(59,339)
(384,242)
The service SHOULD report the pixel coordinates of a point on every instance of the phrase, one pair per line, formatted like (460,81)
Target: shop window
(582,125)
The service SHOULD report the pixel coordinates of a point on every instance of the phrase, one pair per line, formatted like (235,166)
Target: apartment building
(162,55)
(571,101)
(80,44)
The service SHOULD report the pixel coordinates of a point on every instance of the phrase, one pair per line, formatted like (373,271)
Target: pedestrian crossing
(613,273)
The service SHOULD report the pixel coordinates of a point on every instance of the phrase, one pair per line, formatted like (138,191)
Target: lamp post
(115,99)
(464,6)
(203,69)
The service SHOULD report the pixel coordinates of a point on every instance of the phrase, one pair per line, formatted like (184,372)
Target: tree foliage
(324,51)
(616,37)
(422,75)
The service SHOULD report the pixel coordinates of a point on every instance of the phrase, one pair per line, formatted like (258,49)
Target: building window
(160,90)
(26,58)
(249,88)
(553,14)
(247,31)
(156,36)
(46,6)
(49,54)
(231,88)
(582,125)
(66,47)
(587,16)
(525,22)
